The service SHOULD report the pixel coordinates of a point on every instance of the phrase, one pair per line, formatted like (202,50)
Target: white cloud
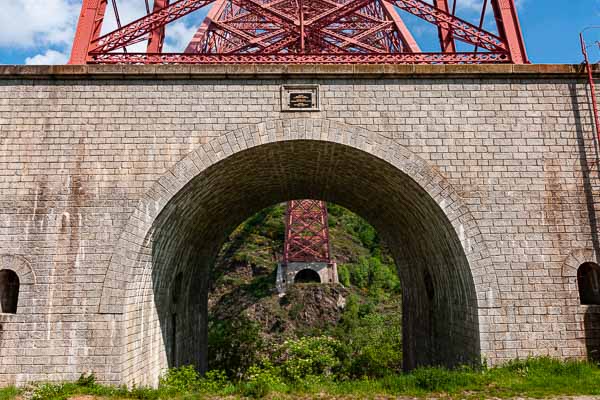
(31,23)
(50,57)
(177,37)
(178,34)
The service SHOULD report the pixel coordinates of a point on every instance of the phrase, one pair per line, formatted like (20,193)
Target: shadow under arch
(180,227)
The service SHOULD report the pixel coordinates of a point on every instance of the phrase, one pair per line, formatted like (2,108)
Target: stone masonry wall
(80,147)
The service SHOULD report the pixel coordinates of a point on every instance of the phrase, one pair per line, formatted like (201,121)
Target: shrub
(214,381)
(309,356)
(49,391)
(344,275)
(181,380)
(260,381)
(372,340)
(234,345)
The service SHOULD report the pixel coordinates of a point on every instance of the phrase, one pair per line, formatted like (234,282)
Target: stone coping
(239,71)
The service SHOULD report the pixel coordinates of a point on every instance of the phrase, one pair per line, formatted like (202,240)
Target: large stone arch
(321,158)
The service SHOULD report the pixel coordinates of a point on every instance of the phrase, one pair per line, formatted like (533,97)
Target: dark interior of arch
(9,291)
(307,276)
(588,275)
(440,322)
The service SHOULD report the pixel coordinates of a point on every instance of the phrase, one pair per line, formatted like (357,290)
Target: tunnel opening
(307,276)
(439,301)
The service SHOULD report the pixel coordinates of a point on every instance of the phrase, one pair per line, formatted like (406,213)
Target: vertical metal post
(301,16)
(157,36)
(88,29)
(446,40)
(509,29)
(592,85)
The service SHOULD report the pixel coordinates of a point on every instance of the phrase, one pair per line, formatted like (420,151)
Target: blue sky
(34,34)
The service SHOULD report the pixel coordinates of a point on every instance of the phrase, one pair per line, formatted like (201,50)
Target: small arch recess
(307,276)
(588,282)
(9,291)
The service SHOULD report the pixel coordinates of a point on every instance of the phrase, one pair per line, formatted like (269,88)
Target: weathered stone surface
(484,183)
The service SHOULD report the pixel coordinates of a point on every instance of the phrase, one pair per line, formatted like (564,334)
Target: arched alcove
(9,291)
(588,282)
(181,226)
(307,276)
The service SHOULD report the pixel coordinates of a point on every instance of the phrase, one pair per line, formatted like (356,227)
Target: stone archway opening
(307,276)
(440,311)
(9,291)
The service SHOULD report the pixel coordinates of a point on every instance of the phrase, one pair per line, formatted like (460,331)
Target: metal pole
(301,11)
(592,85)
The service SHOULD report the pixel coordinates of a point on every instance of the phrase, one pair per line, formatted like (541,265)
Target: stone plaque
(300,98)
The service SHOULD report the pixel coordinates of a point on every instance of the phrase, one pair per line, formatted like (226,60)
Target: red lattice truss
(306,232)
(300,31)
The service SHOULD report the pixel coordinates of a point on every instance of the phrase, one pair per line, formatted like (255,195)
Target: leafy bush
(234,345)
(344,275)
(309,356)
(181,380)
(260,381)
(49,391)
(214,381)
(372,341)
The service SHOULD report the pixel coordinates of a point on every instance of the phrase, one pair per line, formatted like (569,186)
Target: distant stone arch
(307,275)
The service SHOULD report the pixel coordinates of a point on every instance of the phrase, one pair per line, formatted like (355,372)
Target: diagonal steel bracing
(301,31)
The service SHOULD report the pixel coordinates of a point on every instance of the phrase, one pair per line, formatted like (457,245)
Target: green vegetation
(308,369)
(323,341)
(367,330)
(8,393)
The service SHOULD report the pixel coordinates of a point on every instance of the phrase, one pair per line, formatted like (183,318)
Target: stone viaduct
(118,184)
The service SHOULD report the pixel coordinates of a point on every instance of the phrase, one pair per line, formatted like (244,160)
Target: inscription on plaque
(303,97)
(301,100)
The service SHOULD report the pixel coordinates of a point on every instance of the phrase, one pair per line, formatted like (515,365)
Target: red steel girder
(446,41)
(461,29)
(346,29)
(334,58)
(143,26)
(88,29)
(157,36)
(509,28)
(369,26)
(306,232)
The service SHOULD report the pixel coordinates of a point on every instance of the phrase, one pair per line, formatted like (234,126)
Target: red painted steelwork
(88,29)
(306,232)
(402,58)
(590,73)
(446,40)
(301,31)
(157,36)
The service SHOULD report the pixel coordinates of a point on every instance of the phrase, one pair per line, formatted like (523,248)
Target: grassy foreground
(537,378)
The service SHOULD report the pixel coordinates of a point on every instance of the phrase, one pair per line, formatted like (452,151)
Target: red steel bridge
(302,32)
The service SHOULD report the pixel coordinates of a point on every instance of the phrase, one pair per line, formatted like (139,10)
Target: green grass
(8,393)
(535,378)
